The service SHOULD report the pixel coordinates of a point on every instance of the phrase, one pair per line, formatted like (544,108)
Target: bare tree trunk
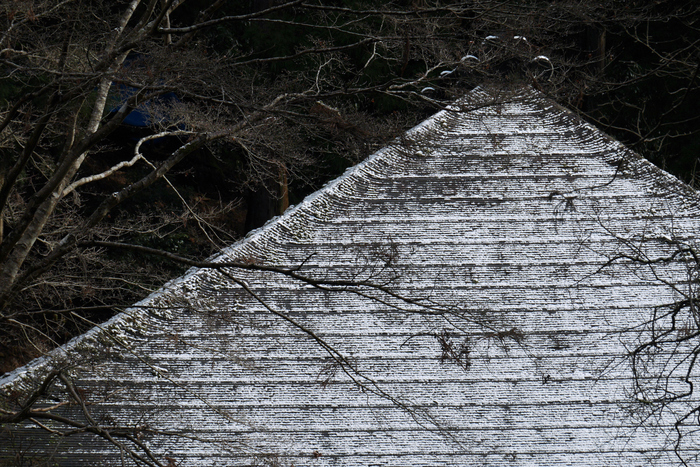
(3,173)
(14,261)
(596,45)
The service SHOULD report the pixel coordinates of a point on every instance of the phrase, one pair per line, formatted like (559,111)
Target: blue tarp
(141,116)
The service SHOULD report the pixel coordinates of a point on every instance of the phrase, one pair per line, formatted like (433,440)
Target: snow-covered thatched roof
(445,302)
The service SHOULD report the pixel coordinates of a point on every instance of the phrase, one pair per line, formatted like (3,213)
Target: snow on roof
(490,334)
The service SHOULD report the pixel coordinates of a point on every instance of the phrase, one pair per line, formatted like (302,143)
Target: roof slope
(492,334)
